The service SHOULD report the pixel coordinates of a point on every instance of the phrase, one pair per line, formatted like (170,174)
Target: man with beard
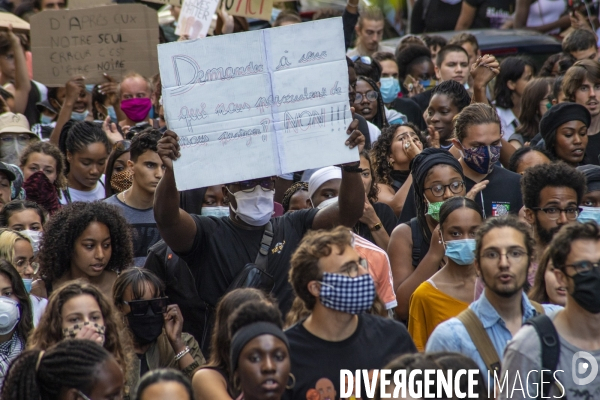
(502,259)
(551,195)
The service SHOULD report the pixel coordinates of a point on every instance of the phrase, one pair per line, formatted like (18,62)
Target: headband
(249,332)
(320,177)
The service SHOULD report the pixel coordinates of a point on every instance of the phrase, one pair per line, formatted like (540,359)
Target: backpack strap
(417,241)
(265,245)
(480,339)
(550,349)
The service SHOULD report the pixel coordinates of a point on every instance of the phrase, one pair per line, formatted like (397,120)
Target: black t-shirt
(502,195)
(31,112)
(423,99)
(386,216)
(491,13)
(222,249)
(437,17)
(317,362)
(411,110)
(592,151)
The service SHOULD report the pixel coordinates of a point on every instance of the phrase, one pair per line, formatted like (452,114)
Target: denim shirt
(452,335)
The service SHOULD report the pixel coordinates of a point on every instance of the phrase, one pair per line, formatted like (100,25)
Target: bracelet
(182,353)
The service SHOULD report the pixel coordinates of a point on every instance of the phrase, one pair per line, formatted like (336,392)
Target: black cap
(561,114)
(7,171)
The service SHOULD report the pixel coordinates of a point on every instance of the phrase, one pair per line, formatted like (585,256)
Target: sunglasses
(122,145)
(363,59)
(139,308)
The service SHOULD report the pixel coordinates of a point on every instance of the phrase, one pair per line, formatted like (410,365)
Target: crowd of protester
(465,236)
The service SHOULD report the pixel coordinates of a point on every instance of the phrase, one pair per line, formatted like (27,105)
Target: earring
(291,385)
(391,162)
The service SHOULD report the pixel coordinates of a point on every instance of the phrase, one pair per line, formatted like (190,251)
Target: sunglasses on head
(122,145)
(139,308)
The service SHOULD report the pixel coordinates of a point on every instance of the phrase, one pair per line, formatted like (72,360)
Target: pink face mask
(136,109)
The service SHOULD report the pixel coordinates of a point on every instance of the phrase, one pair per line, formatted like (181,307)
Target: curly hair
(379,119)
(373,190)
(546,70)
(144,141)
(559,174)
(409,56)
(67,224)
(51,150)
(456,92)
(304,265)
(382,149)
(251,312)
(49,330)
(69,364)
(560,247)
(292,190)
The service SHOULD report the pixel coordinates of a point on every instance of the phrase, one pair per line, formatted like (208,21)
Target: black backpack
(550,350)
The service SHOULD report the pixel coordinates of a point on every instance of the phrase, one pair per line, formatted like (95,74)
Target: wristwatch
(376,227)
(352,167)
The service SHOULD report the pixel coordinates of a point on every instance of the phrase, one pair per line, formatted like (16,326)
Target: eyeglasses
(584,267)
(363,59)
(439,189)
(553,213)
(351,268)
(22,263)
(249,186)
(371,95)
(22,138)
(139,308)
(512,255)
(122,145)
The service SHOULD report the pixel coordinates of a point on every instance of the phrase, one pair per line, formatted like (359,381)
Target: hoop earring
(291,386)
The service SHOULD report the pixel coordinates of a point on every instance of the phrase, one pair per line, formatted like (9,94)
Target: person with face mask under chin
(15,136)
(155,326)
(216,249)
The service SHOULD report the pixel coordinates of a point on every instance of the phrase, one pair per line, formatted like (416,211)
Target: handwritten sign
(256,104)
(259,9)
(89,42)
(78,4)
(171,2)
(19,25)
(195,18)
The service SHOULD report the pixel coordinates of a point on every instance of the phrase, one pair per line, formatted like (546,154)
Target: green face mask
(433,209)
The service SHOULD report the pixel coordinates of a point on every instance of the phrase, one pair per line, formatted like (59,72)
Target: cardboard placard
(114,39)
(255,104)
(195,18)
(79,4)
(171,2)
(17,23)
(259,9)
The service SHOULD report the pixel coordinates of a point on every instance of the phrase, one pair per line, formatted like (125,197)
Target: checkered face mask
(345,294)
(72,331)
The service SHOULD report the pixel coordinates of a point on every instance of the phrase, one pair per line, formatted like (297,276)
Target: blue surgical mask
(217,212)
(461,252)
(346,294)
(428,84)
(389,89)
(76,116)
(46,120)
(110,110)
(589,214)
(27,283)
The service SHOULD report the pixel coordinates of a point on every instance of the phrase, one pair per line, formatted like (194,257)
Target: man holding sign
(217,249)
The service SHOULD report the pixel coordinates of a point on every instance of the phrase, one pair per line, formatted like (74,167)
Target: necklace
(123,195)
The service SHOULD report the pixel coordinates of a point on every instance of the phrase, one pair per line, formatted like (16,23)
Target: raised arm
(466,17)
(22,82)
(349,20)
(74,89)
(176,226)
(351,197)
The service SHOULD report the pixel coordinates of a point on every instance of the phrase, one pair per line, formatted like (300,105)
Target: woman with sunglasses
(89,241)
(155,325)
(79,310)
(16,318)
(16,249)
(369,104)
(43,167)
(118,176)
(415,249)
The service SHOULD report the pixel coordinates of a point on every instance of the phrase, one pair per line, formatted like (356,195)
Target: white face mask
(217,212)
(254,208)
(326,203)
(36,238)
(9,315)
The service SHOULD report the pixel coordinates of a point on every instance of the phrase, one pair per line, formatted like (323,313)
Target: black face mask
(146,328)
(586,290)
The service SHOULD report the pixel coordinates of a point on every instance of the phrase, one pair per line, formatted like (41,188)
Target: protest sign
(256,104)
(18,25)
(77,4)
(89,42)
(259,9)
(195,18)
(171,2)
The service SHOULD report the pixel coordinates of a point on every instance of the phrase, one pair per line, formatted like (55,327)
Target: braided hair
(70,364)
(80,135)
(379,119)
(292,190)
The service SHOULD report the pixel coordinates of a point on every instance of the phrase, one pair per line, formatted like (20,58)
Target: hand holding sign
(168,148)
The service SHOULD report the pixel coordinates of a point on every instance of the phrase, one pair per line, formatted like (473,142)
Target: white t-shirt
(509,122)
(374,132)
(88,196)
(543,12)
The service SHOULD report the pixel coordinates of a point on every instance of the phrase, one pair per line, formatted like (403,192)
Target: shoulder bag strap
(550,350)
(480,339)
(265,245)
